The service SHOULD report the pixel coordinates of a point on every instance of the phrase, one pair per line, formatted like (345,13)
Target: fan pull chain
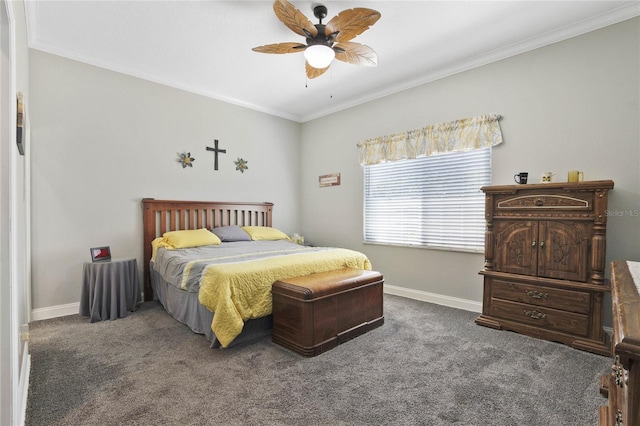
(306,84)
(331,84)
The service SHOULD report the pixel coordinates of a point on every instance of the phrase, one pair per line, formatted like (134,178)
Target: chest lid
(322,284)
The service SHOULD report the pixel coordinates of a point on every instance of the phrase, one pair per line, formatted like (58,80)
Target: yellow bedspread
(241,291)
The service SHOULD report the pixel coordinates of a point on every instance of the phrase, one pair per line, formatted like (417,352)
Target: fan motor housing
(321,38)
(319,11)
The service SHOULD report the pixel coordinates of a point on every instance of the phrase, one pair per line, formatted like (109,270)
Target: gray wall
(102,141)
(571,105)
(14,215)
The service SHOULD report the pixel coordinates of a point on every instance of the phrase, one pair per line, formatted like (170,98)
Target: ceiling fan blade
(356,53)
(280,48)
(351,22)
(294,19)
(314,72)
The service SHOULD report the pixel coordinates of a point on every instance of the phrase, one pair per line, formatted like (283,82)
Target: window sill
(440,248)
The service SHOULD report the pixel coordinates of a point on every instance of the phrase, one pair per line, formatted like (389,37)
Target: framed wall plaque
(329,180)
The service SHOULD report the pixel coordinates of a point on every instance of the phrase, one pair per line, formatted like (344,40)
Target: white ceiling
(205,46)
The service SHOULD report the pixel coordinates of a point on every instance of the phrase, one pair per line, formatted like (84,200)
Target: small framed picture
(329,180)
(99,254)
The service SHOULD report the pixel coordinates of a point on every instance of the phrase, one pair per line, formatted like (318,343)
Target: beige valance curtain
(460,135)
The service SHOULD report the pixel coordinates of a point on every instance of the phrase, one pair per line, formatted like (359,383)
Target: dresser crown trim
(542,201)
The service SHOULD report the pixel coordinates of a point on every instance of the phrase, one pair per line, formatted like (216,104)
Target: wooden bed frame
(160,216)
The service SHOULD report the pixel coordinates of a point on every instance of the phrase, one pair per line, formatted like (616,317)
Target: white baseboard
(23,384)
(55,311)
(438,299)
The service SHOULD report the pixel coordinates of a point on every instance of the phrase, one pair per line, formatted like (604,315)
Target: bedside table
(110,289)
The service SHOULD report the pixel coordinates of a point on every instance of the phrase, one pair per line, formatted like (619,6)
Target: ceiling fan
(325,42)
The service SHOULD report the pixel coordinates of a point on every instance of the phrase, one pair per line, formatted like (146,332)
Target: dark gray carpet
(428,365)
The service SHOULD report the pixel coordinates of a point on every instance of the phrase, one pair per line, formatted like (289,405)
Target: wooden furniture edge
(623,383)
(626,311)
(571,186)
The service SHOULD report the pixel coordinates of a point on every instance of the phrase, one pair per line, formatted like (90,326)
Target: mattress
(233,280)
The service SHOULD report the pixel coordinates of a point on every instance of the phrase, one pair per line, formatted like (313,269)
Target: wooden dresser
(623,384)
(545,261)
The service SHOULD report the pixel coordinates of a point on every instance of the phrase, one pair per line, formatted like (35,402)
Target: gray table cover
(110,289)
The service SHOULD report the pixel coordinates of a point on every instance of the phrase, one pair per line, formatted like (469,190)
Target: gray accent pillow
(231,233)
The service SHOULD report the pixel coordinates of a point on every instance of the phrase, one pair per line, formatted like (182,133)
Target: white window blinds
(422,186)
(432,201)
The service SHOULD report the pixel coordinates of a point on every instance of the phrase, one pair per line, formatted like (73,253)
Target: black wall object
(19,124)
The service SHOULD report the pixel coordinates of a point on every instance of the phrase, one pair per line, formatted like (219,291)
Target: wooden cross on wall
(216,151)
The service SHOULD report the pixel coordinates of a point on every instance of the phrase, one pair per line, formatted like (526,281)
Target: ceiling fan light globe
(319,56)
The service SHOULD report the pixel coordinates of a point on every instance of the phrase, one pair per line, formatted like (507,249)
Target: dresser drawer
(557,199)
(542,317)
(565,300)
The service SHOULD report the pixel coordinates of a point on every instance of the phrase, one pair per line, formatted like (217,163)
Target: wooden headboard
(160,216)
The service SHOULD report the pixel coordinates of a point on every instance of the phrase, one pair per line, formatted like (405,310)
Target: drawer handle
(621,377)
(538,202)
(536,294)
(535,314)
(619,373)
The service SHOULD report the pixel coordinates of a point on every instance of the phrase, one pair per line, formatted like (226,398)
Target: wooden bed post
(148,224)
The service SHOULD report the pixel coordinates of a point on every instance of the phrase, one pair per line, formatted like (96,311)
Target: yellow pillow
(258,233)
(190,238)
(155,244)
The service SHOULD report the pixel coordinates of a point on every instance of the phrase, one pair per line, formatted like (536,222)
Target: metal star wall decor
(241,165)
(185,159)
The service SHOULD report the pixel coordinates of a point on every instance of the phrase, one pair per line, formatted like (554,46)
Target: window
(422,186)
(433,201)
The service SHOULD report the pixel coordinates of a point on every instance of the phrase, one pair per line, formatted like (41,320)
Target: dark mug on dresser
(521,177)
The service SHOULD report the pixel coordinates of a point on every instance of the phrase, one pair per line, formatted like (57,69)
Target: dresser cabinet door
(549,249)
(563,250)
(516,247)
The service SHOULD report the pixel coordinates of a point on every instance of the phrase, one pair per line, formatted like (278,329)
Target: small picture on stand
(99,254)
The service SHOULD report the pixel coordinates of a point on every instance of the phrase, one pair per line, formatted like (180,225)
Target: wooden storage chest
(315,313)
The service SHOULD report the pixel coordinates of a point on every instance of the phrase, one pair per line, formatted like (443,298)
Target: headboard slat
(160,216)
